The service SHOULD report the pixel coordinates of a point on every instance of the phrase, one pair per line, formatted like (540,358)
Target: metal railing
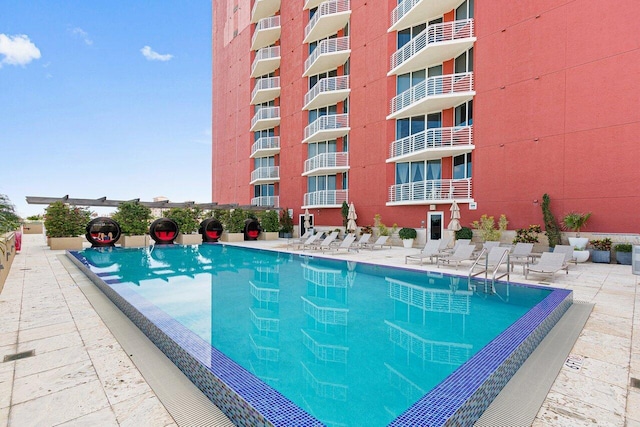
(431,190)
(328,84)
(326,197)
(402,9)
(261,3)
(433,86)
(266,201)
(328,122)
(326,47)
(270,52)
(265,24)
(266,172)
(327,160)
(327,8)
(265,113)
(265,84)
(432,138)
(436,33)
(266,143)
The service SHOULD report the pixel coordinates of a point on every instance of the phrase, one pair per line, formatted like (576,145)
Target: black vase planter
(601,256)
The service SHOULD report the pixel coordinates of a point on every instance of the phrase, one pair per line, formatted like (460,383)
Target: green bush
(62,220)
(528,235)
(133,218)
(407,233)
(187,218)
(235,223)
(601,244)
(464,233)
(487,228)
(286,223)
(269,221)
(623,247)
(552,230)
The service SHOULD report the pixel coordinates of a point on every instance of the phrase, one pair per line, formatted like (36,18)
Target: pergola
(163,204)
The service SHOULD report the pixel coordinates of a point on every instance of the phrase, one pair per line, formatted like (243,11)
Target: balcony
(310,4)
(265,175)
(328,55)
(266,201)
(326,164)
(434,94)
(266,33)
(266,146)
(413,12)
(436,44)
(266,89)
(330,17)
(432,144)
(267,60)
(438,191)
(328,91)
(265,118)
(325,199)
(325,128)
(263,8)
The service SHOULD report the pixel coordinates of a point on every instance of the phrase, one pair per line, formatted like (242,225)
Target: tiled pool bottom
(458,400)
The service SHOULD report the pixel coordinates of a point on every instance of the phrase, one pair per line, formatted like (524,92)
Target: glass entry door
(434,225)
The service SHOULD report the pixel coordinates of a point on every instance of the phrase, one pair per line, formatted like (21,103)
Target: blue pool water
(351,344)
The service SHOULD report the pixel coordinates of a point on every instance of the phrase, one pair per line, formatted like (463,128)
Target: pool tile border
(459,400)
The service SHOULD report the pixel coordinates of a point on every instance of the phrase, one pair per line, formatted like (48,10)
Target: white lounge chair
(326,243)
(491,261)
(379,244)
(348,244)
(311,241)
(521,254)
(364,239)
(300,240)
(463,253)
(549,263)
(430,250)
(567,250)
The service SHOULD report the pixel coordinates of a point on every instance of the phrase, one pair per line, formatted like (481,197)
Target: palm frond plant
(574,221)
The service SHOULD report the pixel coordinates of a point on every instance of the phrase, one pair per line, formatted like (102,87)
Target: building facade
(402,107)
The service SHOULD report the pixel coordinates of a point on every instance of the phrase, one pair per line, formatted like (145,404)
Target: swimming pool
(283,339)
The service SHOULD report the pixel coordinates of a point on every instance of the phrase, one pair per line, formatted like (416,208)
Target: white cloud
(154,56)
(82,34)
(17,50)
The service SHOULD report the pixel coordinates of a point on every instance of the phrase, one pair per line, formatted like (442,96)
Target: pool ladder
(483,257)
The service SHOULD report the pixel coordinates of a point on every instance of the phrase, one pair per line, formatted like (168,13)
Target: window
(462,166)
(316,148)
(464,62)
(263,162)
(265,133)
(465,10)
(321,183)
(407,172)
(264,190)
(405,36)
(407,81)
(324,111)
(409,126)
(464,114)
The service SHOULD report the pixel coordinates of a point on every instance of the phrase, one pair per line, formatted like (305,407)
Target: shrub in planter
(286,224)
(407,233)
(269,221)
(235,223)
(187,218)
(601,250)
(464,233)
(528,235)
(623,253)
(486,227)
(133,218)
(62,220)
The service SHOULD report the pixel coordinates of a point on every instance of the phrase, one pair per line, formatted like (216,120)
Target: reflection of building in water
(325,337)
(265,318)
(411,331)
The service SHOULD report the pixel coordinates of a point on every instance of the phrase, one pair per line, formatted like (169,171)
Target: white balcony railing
(328,91)
(263,8)
(443,35)
(325,198)
(265,174)
(266,61)
(330,17)
(266,201)
(265,118)
(327,163)
(329,54)
(432,191)
(327,127)
(436,87)
(265,146)
(460,137)
(412,12)
(266,32)
(265,90)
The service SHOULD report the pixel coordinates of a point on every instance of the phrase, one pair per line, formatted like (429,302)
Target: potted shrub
(601,250)
(407,235)
(188,220)
(464,233)
(234,227)
(552,230)
(487,230)
(65,226)
(623,253)
(286,224)
(575,221)
(134,220)
(270,224)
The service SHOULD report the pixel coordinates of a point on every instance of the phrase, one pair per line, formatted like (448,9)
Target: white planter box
(268,235)
(137,241)
(232,237)
(66,243)
(189,239)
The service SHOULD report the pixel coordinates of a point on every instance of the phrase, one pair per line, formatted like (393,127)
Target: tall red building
(402,107)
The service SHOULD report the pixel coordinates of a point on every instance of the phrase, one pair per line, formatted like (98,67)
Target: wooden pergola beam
(164,204)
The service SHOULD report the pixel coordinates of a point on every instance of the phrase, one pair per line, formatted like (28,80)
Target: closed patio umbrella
(454,224)
(351,219)
(307,218)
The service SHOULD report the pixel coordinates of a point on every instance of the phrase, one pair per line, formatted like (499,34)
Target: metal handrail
(433,34)
(432,138)
(327,160)
(265,113)
(494,277)
(265,53)
(265,143)
(325,47)
(327,8)
(327,84)
(402,9)
(431,190)
(265,24)
(266,172)
(266,201)
(326,122)
(264,84)
(433,86)
(326,197)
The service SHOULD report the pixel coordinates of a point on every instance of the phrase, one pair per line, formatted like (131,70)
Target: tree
(133,218)
(552,229)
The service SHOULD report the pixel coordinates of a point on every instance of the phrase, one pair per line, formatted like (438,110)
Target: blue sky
(101,98)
